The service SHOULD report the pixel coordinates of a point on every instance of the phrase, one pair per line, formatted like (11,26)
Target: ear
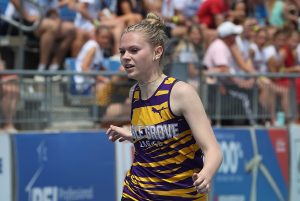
(158,51)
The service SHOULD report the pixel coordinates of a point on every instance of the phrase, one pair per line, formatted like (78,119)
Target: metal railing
(259,103)
(52,101)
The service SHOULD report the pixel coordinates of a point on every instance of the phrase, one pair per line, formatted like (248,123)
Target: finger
(205,189)
(198,181)
(116,137)
(195,177)
(108,131)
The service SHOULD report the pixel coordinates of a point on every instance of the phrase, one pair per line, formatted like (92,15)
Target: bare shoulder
(182,96)
(182,90)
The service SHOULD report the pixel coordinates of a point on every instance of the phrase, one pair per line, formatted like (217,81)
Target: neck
(148,83)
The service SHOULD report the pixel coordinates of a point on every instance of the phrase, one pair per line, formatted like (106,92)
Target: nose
(125,56)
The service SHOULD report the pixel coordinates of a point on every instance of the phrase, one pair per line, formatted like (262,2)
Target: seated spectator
(190,50)
(289,52)
(9,96)
(268,90)
(219,58)
(211,13)
(237,13)
(275,62)
(86,19)
(275,10)
(55,36)
(291,12)
(172,13)
(190,9)
(90,58)
(124,16)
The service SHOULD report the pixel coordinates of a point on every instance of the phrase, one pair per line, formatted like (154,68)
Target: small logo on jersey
(158,111)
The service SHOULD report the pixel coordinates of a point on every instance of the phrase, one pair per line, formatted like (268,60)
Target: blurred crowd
(223,36)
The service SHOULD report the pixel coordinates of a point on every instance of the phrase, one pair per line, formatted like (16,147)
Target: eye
(134,50)
(122,52)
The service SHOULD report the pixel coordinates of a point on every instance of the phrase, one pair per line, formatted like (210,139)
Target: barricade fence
(73,99)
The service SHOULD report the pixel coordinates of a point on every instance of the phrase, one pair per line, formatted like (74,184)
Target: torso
(166,152)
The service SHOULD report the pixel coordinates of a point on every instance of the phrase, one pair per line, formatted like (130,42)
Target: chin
(131,75)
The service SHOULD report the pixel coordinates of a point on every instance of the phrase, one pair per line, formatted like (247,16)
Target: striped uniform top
(166,154)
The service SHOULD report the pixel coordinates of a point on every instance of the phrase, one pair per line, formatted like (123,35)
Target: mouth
(128,66)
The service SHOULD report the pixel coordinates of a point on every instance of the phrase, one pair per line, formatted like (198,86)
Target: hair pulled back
(153,29)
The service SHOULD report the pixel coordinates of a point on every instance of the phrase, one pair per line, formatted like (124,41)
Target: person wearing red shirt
(211,12)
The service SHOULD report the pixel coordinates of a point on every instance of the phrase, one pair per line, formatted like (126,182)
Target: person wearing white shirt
(51,29)
(90,58)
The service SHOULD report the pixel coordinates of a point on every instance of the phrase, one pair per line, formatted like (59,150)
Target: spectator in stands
(86,19)
(275,10)
(274,55)
(9,96)
(257,53)
(267,89)
(172,13)
(220,57)
(190,50)
(211,13)
(90,58)
(244,40)
(237,13)
(289,52)
(292,14)
(124,16)
(258,10)
(190,9)
(55,36)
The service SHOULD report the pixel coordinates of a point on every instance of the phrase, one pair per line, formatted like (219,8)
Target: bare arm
(238,57)
(88,59)
(118,133)
(18,5)
(185,101)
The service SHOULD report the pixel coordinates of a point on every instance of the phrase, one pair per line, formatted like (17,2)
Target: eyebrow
(132,46)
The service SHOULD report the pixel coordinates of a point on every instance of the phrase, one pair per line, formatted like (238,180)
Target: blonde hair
(152,27)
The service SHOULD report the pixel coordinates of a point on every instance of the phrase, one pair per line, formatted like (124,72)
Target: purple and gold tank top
(166,154)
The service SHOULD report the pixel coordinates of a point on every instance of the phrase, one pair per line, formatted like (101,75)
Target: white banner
(5,168)
(124,157)
(295,162)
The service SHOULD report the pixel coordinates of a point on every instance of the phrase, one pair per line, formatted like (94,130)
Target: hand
(118,133)
(201,183)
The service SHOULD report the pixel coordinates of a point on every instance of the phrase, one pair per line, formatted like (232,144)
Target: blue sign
(250,169)
(67,166)
(232,182)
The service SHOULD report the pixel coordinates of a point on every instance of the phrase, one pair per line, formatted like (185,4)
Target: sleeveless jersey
(166,154)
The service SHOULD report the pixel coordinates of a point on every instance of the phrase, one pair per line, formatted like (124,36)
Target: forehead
(133,39)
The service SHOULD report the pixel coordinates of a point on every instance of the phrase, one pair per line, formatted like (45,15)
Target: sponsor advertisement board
(67,166)
(295,162)
(255,165)
(232,182)
(5,168)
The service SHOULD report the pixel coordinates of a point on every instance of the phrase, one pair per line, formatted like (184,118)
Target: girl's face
(136,55)
(294,40)
(261,39)
(103,38)
(195,36)
(280,40)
